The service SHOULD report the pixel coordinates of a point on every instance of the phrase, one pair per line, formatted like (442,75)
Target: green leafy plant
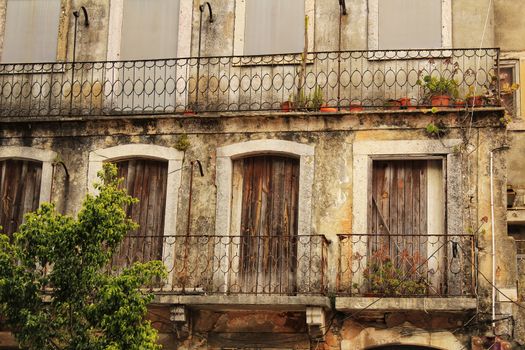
(311,102)
(56,291)
(437,129)
(183,143)
(434,86)
(385,276)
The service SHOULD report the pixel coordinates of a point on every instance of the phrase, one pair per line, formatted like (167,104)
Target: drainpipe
(201,9)
(76,14)
(342,12)
(192,164)
(492,225)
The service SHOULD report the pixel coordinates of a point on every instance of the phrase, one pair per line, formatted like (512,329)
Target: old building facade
(311,200)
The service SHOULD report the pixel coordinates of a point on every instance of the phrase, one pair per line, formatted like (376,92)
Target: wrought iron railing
(269,265)
(346,80)
(406,265)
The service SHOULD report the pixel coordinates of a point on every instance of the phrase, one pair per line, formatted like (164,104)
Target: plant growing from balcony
(55,288)
(387,276)
(311,102)
(439,90)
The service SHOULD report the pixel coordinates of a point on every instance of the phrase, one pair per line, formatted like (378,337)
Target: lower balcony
(235,271)
(406,273)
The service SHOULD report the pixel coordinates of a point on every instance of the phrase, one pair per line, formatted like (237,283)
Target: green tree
(55,289)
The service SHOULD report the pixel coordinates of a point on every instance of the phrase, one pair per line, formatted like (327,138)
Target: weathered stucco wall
(332,136)
(515,156)
(510,25)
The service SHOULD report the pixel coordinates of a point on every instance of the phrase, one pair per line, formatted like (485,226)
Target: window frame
(116,13)
(174,158)
(224,176)
(514,65)
(365,152)
(240,24)
(224,181)
(63,31)
(373,25)
(46,157)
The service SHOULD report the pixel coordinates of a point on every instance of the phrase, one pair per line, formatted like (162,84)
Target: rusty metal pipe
(192,163)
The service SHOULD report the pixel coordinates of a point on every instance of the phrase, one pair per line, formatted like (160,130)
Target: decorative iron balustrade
(269,265)
(406,265)
(346,80)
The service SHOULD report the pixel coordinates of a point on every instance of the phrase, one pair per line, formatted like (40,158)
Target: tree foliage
(55,288)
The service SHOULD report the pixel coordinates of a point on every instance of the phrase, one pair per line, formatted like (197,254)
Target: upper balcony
(346,81)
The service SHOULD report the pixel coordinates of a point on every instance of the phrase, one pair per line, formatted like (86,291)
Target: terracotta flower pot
(328,109)
(475,101)
(440,100)
(393,104)
(286,106)
(406,103)
(356,107)
(459,104)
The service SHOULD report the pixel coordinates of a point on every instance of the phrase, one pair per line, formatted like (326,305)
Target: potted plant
(311,102)
(472,99)
(406,103)
(356,106)
(439,90)
(386,277)
(287,106)
(393,104)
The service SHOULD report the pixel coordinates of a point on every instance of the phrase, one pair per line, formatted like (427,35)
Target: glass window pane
(274,26)
(31,31)
(150,29)
(411,24)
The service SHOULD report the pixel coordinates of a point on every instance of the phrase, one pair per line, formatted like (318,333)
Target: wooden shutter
(269,223)
(19,191)
(146,180)
(399,212)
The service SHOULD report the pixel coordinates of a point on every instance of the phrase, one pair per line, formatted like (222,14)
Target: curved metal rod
(201,8)
(86,17)
(342,3)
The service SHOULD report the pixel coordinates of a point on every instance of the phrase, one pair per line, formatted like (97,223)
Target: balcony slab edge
(450,304)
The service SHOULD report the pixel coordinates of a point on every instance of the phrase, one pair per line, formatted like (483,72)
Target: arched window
(152,174)
(264,196)
(25,182)
(20,181)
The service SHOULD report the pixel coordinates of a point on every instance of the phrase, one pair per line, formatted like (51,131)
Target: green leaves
(55,288)
(439,86)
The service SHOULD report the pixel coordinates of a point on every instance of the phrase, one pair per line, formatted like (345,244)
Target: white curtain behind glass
(274,26)
(149,29)
(31,31)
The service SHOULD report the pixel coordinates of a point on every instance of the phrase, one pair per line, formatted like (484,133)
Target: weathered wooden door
(399,215)
(19,191)
(146,180)
(268,252)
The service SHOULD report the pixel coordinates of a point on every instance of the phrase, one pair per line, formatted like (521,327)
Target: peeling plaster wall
(332,136)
